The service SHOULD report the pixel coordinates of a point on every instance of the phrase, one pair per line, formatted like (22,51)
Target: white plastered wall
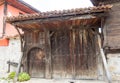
(9,53)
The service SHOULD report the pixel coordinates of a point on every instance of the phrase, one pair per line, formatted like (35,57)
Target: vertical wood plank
(74,55)
(72,44)
(99,61)
(48,54)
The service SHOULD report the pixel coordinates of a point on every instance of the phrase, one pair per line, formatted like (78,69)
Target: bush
(23,77)
(12,75)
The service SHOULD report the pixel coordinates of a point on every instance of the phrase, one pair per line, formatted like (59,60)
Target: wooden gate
(36,62)
(61,58)
(74,54)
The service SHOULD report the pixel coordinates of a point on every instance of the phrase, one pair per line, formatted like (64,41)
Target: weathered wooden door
(74,54)
(36,62)
(84,53)
(61,58)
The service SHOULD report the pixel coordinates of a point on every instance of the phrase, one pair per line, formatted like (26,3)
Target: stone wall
(9,53)
(114,65)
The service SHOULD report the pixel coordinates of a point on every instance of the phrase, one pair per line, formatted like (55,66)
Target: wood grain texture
(112,28)
(69,53)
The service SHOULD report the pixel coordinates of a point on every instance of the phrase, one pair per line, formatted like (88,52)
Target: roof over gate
(60,19)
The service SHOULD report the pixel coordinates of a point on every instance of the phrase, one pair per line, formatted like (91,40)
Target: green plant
(12,75)
(23,77)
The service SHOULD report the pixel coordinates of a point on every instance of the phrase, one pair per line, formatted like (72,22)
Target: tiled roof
(70,12)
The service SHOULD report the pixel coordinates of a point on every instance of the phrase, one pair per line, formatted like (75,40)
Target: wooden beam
(48,73)
(104,61)
(21,56)
(57,18)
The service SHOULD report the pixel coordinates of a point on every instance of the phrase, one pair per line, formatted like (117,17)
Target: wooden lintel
(112,51)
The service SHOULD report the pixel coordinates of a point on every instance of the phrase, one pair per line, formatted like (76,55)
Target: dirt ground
(33,80)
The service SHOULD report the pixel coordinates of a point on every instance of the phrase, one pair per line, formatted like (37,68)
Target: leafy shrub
(23,77)
(11,75)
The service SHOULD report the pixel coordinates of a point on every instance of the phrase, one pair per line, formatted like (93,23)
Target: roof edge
(28,5)
(94,2)
(52,14)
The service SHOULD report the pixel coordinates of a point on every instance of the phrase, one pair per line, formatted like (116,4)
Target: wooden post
(4,19)
(48,73)
(21,56)
(104,61)
(100,66)
(18,68)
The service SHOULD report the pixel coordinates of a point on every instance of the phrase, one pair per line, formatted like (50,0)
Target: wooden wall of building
(112,28)
(73,54)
